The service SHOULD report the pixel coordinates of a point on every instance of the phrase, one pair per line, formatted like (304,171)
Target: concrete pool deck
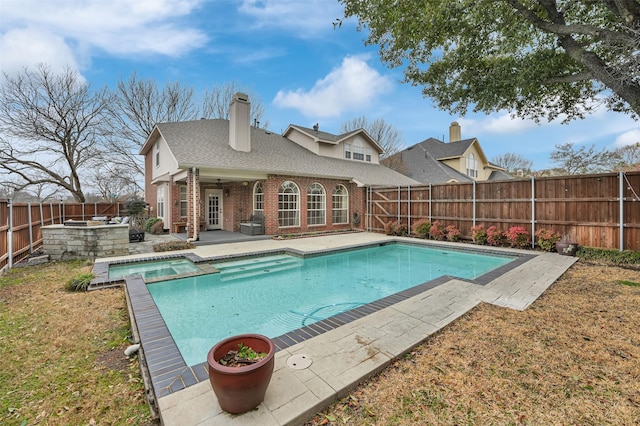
(343,357)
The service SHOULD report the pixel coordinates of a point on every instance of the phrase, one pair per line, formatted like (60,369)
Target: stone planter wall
(62,242)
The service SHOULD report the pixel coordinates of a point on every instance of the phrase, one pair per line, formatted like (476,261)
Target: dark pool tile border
(167,369)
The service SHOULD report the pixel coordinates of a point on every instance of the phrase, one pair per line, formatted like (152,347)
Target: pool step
(256,266)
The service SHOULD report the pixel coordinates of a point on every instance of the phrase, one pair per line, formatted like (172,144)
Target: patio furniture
(136,235)
(255,225)
(178,226)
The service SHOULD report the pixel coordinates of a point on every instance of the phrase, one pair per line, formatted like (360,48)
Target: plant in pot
(240,369)
(567,245)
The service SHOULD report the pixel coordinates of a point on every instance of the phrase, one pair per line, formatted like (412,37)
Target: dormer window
(358,153)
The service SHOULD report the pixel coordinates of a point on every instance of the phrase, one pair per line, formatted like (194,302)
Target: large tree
(216,102)
(140,104)
(515,164)
(385,134)
(536,58)
(583,160)
(52,129)
(629,157)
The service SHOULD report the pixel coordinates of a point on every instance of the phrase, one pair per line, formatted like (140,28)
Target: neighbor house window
(340,211)
(258,199)
(157,154)
(288,205)
(355,152)
(183,201)
(316,205)
(472,166)
(160,202)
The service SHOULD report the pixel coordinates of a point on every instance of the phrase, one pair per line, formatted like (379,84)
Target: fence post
(474,204)
(398,204)
(533,212)
(409,209)
(621,186)
(430,196)
(10,235)
(30,219)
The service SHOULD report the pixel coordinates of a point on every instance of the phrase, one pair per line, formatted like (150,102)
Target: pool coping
(167,371)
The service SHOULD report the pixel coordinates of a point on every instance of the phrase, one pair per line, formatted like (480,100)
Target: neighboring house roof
(205,144)
(424,161)
(499,174)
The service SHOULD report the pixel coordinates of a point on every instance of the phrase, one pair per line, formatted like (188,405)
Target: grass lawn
(573,357)
(61,353)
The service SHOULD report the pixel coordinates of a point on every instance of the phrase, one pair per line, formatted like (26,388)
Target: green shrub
(173,245)
(395,228)
(80,282)
(452,233)
(547,239)
(150,222)
(421,228)
(518,237)
(135,206)
(626,257)
(437,231)
(479,234)
(495,237)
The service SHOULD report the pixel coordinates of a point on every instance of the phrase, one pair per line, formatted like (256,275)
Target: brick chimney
(239,125)
(454,132)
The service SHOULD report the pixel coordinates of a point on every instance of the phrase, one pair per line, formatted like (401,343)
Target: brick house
(221,173)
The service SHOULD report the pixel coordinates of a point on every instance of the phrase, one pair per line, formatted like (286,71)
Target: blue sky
(287,51)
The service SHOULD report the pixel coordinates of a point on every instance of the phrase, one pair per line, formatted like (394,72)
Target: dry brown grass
(61,353)
(573,357)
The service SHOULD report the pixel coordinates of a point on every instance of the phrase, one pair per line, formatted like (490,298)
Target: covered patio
(220,236)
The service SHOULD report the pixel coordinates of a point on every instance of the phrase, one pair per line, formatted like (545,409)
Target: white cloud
(301,18)
(501,123)
(28,47)
(352,85)
(76,29)
(627,138)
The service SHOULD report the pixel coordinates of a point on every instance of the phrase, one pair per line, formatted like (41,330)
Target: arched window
(340,212)
(288,205)
(472,166)
(316,205)
(258,199)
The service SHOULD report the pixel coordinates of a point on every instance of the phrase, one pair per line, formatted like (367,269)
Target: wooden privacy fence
(21,224)
(598,210)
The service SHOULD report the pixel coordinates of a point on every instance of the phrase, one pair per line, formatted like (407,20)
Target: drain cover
(298,362)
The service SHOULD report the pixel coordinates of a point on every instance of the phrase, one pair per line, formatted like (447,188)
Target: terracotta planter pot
(566,249)
(240,389)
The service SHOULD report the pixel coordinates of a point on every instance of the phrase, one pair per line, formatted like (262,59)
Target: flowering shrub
(452,233)
(479,234)
(389,227)
(437,231)
(547,239)
(395,228)
(495,237)
(518,237)
(421,228)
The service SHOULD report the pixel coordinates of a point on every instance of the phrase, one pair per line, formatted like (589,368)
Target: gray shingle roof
(205,144)
(424,167)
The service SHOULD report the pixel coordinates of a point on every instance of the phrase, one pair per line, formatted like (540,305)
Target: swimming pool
(273,295)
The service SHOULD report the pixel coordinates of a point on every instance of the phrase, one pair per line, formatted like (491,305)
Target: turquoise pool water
(153,270)
(273,295)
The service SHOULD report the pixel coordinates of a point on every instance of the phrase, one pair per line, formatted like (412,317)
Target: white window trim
(323,207)
(345,198)
(289,184)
